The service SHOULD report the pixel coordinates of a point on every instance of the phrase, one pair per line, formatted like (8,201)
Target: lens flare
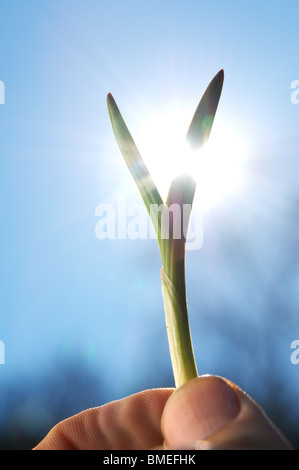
(217,167)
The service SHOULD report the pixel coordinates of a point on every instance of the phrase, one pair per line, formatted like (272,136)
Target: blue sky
(63,292)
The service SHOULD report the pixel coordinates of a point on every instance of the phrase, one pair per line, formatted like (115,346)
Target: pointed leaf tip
(132,157)
(201,124)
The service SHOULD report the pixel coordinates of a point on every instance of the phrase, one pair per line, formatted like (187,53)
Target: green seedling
(166,223)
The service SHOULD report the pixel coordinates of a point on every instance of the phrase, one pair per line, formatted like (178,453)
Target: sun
(217,167)
(162,143)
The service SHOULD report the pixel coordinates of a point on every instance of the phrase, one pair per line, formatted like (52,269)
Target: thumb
(212,413)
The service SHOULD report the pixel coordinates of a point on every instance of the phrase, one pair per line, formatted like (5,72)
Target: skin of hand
(208,412)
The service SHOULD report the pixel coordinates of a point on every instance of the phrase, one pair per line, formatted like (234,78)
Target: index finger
(132,423)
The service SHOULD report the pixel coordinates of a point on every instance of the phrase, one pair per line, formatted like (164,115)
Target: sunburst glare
(217,167)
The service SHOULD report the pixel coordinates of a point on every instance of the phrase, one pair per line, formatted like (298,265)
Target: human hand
(205,413)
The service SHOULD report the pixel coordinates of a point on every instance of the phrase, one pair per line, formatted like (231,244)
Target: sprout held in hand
(168,221)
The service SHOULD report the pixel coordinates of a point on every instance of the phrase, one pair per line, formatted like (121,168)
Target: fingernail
(197,410)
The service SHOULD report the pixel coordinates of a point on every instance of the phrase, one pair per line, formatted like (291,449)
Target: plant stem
(179,199)
(178,332)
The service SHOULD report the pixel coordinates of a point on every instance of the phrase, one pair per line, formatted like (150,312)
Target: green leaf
(201,124)
(133,159)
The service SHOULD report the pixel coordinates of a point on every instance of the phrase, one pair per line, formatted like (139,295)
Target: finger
(130,423)
(212,413)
